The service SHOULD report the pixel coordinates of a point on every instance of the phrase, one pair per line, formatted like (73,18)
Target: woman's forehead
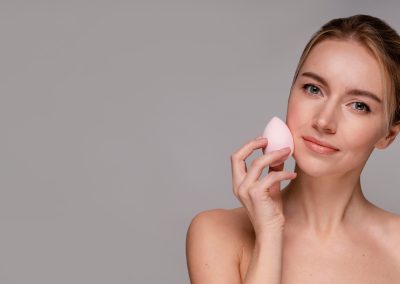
(345,64)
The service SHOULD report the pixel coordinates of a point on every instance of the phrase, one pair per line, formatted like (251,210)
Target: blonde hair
(381,41)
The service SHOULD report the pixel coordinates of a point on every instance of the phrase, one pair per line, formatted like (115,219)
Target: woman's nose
(325,120)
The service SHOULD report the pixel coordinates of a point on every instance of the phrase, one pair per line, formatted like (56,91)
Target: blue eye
(313,90)
(365,109)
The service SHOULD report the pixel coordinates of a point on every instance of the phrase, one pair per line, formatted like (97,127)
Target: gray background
(118,119)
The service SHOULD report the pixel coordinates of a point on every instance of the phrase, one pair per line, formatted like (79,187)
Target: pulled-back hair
(381,41)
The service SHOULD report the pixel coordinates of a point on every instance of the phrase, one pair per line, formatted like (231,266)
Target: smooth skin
(330,232)
(207,252)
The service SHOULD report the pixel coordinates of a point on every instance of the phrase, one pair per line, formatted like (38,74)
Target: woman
(320,228)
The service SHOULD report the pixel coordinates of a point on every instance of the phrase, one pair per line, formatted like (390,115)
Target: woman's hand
(261,198)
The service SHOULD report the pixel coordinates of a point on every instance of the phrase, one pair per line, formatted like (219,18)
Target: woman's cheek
(360,138)
(294,115)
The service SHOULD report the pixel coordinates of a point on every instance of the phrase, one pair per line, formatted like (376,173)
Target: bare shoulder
(388,221)
(229,225)
(392,236)
(394,229)
(386,226)
(214,244)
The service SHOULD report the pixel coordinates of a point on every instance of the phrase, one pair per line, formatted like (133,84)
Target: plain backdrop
(118,119)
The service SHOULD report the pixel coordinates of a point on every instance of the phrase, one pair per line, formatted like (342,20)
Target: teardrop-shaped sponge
(278,135)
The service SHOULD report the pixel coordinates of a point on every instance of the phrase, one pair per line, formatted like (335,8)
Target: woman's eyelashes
(314,90)
(305,87)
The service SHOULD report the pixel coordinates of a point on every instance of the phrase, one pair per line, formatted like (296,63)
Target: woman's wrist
(270,233)
(269,240)
(266,262)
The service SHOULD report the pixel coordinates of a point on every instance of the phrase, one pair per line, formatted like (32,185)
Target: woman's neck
(324,205)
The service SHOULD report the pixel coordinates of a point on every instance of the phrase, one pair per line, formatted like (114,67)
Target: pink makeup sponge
(278,136)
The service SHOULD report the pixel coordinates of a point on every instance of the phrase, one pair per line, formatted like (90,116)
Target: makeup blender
(278,136)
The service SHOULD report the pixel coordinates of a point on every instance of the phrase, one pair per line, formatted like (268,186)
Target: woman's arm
(266,263)
(210,254)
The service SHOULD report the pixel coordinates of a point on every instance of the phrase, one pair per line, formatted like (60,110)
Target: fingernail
(259,137)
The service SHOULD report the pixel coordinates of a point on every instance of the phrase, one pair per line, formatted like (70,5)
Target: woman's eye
(364,108)
(312,88)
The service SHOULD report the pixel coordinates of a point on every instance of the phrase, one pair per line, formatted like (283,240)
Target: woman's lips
(319,148)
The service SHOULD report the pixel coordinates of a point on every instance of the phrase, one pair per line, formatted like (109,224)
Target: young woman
(343,103)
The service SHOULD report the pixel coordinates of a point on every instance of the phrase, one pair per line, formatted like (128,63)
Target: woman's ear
(389,138)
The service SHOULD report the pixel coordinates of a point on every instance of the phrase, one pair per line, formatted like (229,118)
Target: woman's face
(323,106)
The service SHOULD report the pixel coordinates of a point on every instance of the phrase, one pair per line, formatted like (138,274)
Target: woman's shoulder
(385,226)
(393,221)
(387,220)
(233,222)
(214,245)
(231,227)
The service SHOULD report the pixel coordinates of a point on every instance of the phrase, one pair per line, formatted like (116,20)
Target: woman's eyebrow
(355,92)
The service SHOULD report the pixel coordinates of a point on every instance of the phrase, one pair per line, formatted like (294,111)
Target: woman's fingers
(258,165)
(273,177)
(276,167)
(238,163)
(257,195)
